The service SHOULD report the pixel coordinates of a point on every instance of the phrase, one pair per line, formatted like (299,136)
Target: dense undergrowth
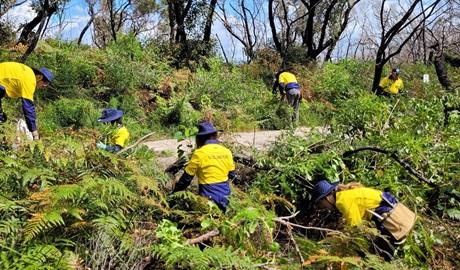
(65,204)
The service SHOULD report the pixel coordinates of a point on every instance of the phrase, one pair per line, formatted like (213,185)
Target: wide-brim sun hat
(49,76)
(206,128)
(322,189)
(109,115)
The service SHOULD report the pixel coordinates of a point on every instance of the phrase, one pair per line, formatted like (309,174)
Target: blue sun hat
(109,115)
(205,128)
(48,74)
(397,71)
(322,189)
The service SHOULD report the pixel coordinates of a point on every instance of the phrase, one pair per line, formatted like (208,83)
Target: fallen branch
(289,230)
(289,225)
(135,144)
(202,238)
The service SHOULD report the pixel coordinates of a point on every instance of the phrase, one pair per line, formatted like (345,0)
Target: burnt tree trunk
(43,16)
(441,71)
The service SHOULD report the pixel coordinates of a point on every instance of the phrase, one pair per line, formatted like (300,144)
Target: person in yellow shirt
(116,139)
(391,84)
(213,165)
(357,203)
(287,85)
(20,81)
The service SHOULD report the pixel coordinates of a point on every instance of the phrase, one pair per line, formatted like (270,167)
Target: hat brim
(117,115)
(206,132)
(44,75)
(329,190)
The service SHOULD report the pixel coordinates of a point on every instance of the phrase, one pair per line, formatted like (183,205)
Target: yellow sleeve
(350,211)
(194,164)
(384,82)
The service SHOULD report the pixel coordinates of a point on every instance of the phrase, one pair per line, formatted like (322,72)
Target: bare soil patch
(260,140)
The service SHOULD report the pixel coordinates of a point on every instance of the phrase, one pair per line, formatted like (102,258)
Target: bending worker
(391,84)
(213,164)
(357,203)
(287,84)
(117,135)
(20,81)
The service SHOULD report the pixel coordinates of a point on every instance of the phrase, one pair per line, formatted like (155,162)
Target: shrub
(75,113)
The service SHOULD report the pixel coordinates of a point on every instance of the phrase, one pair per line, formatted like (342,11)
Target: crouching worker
(213,164)
(356,203)
(117,136)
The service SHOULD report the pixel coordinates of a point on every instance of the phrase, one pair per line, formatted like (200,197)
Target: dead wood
(203,238)
(135,144)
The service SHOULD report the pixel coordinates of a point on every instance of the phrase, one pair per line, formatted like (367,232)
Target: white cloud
(20,14)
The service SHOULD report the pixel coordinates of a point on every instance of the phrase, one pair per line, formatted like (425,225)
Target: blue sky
(76,17)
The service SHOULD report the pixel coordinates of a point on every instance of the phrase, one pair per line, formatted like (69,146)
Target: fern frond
(79,225)
(75,212)
(453,213)
(9,162)
(112,225)
(148,185)
(70,192)
(107,193)
(356,261)
(32,175)
(41,222)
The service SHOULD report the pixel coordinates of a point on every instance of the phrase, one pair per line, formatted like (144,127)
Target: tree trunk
(41,18)
(208,26)
(271,18)
(80,38)
(441,71)
(379,63)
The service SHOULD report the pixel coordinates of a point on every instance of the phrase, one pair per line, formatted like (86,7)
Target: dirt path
(260,140)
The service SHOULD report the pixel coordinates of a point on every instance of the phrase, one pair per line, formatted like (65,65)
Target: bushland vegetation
(64,204)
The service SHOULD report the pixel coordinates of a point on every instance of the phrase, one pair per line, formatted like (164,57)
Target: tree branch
(135,144)
(202,238)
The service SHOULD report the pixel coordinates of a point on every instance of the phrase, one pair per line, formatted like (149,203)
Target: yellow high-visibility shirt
(211,163)
(391,86)
(18,80)
(120,137)
(353,203)
(288,80)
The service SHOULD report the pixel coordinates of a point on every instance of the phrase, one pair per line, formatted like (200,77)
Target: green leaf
(205,223)
(179,136)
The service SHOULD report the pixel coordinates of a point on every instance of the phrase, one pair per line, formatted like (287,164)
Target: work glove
(101,145)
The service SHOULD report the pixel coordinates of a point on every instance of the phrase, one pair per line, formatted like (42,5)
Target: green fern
(453,213)
(41,222)
(60,193)
(210,258)
(112,225)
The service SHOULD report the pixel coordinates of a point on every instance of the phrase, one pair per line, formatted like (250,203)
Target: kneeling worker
(213,164)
